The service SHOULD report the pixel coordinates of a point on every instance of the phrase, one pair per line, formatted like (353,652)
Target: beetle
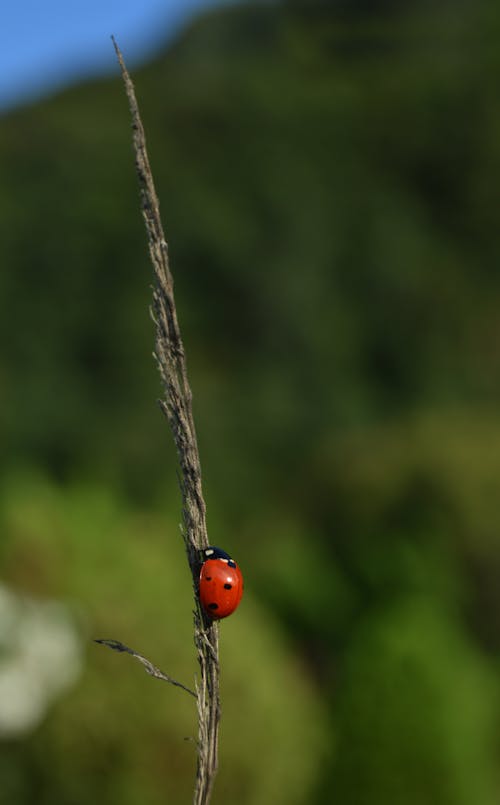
(221,583)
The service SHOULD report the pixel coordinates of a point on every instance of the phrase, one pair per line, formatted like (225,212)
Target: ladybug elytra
(221,583)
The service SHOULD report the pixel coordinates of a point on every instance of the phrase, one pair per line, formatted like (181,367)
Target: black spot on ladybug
(231,563)
(227,586)
(213,606)
(208,578)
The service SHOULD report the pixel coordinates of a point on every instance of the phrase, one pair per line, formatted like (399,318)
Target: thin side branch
(177,407)
(151,669)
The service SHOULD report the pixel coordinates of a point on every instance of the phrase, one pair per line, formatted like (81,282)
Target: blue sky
(47,44)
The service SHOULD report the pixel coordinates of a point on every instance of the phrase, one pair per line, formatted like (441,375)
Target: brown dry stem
(151,669)
(177,407)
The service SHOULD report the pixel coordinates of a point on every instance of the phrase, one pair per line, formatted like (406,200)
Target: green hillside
(329,182)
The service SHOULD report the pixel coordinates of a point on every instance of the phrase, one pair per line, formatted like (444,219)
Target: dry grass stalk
(177,407)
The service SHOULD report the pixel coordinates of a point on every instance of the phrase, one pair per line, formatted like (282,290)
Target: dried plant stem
(177,407)
(151,669)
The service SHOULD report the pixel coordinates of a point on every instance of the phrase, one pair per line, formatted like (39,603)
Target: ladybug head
(217,553)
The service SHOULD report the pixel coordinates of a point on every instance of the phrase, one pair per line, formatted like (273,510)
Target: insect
(221,583)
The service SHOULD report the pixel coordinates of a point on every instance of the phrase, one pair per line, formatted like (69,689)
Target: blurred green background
(329,179)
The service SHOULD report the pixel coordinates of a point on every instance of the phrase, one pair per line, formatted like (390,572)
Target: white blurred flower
(40,657)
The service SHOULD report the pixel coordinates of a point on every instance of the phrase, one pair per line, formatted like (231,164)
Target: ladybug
(221,583)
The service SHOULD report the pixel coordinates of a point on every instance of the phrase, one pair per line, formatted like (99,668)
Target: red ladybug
(221,583)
